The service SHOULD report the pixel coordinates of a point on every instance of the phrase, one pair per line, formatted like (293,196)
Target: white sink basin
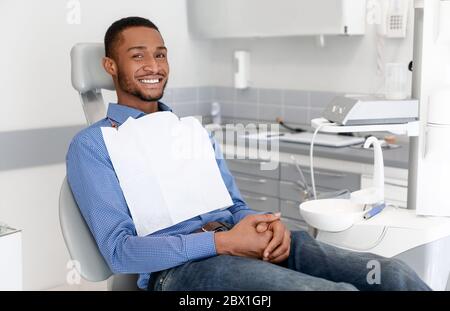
(332,215)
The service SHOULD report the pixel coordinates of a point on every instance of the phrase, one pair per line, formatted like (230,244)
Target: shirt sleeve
(98,194)
(239,209)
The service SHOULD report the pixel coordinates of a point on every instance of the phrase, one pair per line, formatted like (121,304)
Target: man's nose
(151,65)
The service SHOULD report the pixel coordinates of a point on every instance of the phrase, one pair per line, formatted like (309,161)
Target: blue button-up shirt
(98,194)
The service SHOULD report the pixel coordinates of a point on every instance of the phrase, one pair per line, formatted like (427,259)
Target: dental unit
(420,233)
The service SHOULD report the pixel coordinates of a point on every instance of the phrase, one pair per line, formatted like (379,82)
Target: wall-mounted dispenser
(242,75)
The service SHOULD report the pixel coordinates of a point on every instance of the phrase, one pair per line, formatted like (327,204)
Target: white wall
(37,93)
(36,41)
(345,64)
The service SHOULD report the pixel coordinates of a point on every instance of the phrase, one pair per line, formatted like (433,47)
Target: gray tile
(185,109)
(321,99)
(269,112)
(270,96)
(204,108)
(184,94)
(206,93)
(295,98)
(168,96)
(315,113)
(246,111)
(223,93)
(227,109)
(249,95)
(296,115)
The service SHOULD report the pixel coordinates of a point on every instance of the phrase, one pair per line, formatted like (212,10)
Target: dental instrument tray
(328,140)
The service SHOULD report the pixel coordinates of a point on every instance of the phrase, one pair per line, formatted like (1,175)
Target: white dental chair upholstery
(88,78)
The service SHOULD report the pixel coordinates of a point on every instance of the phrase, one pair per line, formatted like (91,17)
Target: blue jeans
(311,265)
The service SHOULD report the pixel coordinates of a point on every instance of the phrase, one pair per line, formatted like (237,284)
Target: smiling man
(136,58)
(227,249)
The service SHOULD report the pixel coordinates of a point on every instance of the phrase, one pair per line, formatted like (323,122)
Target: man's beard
(127,86)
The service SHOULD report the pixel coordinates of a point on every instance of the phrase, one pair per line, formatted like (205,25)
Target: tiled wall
(294,106)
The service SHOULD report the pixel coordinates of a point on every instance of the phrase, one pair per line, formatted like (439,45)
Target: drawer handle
(259,181)
(252,162)
(327,174)
(389,183)
(249,197)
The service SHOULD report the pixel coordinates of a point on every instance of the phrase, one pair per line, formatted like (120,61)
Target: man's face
(142,67)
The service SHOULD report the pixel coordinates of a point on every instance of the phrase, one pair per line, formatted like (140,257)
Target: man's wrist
(222,244)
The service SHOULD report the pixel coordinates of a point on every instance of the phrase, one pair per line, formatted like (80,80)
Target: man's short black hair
(112,35)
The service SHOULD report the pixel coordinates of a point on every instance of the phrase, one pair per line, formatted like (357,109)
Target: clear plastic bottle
(216,113)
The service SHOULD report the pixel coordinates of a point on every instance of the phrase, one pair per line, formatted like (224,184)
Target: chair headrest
(87,70)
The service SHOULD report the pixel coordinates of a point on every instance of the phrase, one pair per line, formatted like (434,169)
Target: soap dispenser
(374,194)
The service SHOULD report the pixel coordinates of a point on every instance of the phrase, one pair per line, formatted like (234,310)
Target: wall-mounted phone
(394,15)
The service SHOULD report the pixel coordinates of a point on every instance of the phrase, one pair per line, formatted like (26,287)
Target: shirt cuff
(200,245)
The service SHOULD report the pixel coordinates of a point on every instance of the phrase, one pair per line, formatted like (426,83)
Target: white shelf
(409,129)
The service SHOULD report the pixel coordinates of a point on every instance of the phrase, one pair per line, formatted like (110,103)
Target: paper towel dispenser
(268,18)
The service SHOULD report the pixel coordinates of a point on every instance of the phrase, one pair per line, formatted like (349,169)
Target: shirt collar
(120,113)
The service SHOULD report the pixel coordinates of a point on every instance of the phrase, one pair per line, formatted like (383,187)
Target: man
(256,252)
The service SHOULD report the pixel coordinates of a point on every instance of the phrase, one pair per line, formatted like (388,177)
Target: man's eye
(137,56)
(161,55)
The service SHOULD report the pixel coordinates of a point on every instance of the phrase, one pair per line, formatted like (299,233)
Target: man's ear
(110,66)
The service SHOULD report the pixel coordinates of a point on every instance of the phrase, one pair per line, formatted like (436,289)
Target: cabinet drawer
(323,178)
(290,209)
(260,202)
(293,192)
(252,167)
(262,185)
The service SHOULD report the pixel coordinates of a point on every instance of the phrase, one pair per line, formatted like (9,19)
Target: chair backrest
(79,241)
(88,78)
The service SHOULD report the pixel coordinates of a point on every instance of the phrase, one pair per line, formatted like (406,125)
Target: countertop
(395,157)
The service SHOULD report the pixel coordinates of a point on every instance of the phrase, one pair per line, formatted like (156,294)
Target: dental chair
(88,78)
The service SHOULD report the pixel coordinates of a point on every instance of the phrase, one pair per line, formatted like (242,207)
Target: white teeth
(149,81)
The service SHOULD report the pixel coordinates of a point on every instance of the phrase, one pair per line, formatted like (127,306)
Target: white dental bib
(166,168)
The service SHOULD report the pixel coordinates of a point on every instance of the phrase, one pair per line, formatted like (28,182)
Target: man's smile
(151,81)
